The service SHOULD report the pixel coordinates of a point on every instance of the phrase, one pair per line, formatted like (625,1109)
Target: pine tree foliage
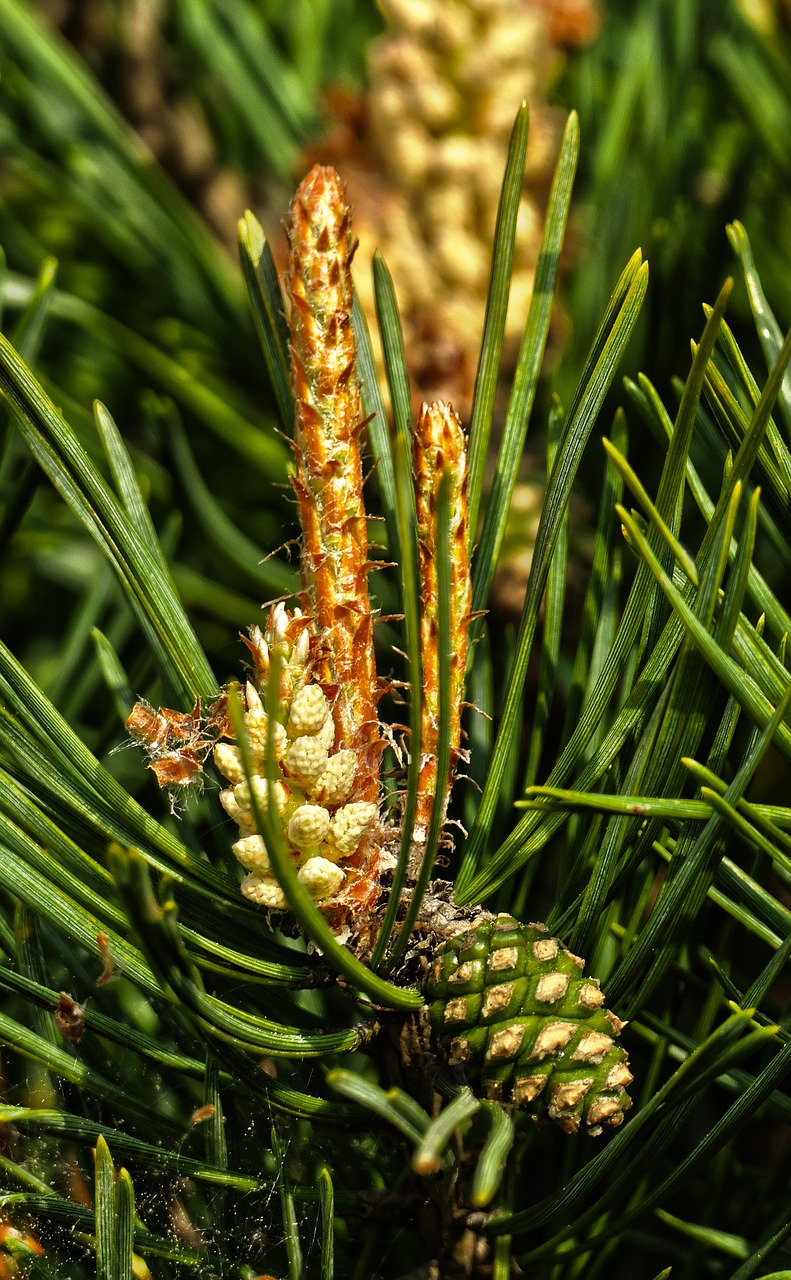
(189,1090)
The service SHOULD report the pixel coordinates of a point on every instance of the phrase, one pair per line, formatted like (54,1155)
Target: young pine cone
(509,1004)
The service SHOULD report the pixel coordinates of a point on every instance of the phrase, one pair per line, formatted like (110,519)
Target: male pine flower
(312,792)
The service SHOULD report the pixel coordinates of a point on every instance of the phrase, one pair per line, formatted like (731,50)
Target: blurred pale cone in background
(422,157)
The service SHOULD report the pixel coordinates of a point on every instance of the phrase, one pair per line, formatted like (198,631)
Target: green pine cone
(510,1005)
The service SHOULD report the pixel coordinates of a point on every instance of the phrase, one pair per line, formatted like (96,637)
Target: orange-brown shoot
(439,449)
(329,480)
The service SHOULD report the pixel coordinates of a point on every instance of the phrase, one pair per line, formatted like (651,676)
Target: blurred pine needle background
(134,134)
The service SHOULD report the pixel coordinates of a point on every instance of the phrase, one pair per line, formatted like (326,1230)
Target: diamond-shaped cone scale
(510,1005)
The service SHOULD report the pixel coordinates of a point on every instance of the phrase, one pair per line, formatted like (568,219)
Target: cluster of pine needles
(191,1088)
